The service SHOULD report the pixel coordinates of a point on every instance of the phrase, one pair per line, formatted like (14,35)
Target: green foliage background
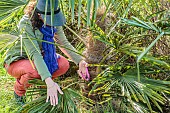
(135,66)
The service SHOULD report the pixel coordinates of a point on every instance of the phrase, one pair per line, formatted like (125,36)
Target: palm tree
(128,72)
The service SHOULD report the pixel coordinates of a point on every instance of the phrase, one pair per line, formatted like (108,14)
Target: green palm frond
(7,6)
(9,9)
(147,91)
(7,41)
(139,23)
(67,102)
(132,50)
(147,25)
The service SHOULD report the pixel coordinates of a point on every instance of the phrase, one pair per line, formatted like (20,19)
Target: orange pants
(23,71)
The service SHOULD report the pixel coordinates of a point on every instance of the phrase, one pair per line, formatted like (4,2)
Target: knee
(65,66)
(18,68)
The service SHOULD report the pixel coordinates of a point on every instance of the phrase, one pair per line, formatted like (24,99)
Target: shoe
(19,99)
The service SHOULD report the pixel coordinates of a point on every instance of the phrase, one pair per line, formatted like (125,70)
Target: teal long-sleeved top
(31,46)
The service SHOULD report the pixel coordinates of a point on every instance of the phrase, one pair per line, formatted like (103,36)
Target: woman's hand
(83,69)
(52,91)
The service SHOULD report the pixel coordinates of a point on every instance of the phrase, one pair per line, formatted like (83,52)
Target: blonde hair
(30,7)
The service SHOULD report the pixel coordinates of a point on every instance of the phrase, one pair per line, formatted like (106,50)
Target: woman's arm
(32,47)
(62,40)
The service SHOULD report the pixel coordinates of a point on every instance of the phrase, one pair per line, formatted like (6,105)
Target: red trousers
(23,71)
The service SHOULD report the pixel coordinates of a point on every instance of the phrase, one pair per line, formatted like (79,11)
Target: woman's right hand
(52,91)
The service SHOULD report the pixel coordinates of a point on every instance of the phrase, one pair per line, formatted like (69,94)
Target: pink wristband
(87,76)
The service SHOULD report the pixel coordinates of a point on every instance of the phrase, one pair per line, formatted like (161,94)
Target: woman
(46,64)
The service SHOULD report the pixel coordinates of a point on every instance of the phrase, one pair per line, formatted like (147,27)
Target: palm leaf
(6,40)
(146,51)
(145,91)
(9,9)
(67,103)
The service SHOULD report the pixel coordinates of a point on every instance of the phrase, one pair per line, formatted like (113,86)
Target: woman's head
(38,14)
(59,19)
(30,8)
(35,17)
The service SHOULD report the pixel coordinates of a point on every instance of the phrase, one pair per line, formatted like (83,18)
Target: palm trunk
(94,52)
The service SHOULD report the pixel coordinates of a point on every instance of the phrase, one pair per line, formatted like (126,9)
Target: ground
(7,102)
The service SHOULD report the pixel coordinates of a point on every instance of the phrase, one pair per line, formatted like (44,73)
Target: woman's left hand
(82,68)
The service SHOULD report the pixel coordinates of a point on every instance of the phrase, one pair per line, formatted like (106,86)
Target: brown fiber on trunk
(94,52)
